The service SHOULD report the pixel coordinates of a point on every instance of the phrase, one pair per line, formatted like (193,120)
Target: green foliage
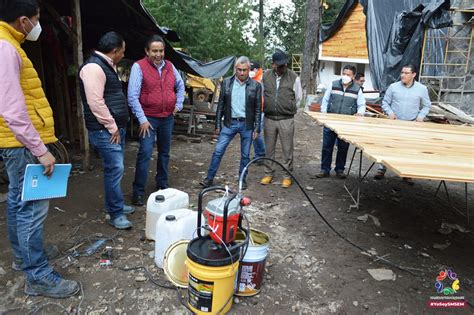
(284,27)
(209,29)
(330,14)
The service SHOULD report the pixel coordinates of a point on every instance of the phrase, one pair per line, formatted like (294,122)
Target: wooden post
(78,60)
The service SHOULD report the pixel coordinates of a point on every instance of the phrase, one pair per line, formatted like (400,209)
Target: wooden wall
(350,40)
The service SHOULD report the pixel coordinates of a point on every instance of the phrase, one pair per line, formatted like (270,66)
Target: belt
(239,119)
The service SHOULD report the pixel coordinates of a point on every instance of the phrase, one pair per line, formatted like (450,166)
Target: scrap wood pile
(448,114)
(441,113)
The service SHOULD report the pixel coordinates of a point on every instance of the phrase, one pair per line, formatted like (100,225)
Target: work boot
(266,180)
(53,286)
(341,174)
(379,175)
(51,252)
(286,183)
(322,174)
(138,200)
(121,222)
(206,182)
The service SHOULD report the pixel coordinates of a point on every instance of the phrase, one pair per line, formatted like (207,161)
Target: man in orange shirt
(256,73)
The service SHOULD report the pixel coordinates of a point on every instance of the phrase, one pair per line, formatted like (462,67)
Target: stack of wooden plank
(410,149)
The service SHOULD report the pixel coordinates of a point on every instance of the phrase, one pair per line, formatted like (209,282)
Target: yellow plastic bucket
(212,272)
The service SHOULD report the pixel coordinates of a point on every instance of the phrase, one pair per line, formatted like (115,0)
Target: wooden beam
(78,61)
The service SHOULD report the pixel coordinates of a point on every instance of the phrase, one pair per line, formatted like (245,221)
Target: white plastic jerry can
(160,202)
(172,227)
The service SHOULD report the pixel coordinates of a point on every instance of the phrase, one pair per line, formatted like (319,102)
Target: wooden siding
(350,40)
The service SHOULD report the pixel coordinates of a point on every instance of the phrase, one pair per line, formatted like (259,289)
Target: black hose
(241,178)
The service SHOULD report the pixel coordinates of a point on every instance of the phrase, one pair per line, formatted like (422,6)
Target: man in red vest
(155,93)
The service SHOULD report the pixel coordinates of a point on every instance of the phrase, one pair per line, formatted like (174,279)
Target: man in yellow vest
(26,125)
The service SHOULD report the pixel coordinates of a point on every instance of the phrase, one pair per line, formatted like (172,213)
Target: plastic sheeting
(405,40)
(133,21)
(327,30)
(392,47)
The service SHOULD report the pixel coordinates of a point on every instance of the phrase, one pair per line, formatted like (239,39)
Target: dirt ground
(310,270)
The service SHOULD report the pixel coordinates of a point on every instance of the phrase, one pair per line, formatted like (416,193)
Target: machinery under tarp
(133,21)
(391,48)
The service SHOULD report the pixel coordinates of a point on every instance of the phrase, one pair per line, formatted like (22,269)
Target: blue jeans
(112,159)
(329,139)
(162,132)
(259,142)
(225,137)
(25,219)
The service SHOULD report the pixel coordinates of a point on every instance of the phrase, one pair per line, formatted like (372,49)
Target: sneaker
(128,209)
(379,175)
(341,174)
(266,180)
(322,174)
(121,222)
(206,182)
(53,286)
(51,252)
(286,183)
(138,201)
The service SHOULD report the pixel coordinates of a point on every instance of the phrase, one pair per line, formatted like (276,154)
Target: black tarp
(327,30)
(391,47)
(131,19)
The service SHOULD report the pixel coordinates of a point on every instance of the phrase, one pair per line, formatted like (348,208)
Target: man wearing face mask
(282,95)
(345,97)
(155,94)
(26,125)
(106,117)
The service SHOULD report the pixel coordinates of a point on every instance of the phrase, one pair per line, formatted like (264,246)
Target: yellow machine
(202,88)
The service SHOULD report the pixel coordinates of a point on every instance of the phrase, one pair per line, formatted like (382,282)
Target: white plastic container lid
(216,206)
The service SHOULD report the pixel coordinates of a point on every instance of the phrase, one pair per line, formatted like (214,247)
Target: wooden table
(410,149)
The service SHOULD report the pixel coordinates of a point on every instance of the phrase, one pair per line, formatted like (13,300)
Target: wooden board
(350,40)
(410,149)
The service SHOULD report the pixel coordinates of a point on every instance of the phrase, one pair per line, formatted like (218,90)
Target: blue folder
(37,186)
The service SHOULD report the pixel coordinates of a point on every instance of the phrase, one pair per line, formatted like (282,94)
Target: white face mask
(346,79)
(35,32)
(252,74)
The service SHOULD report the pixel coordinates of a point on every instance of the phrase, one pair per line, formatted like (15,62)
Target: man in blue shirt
(344,97)
(406,99)
(155,94)
(240,106)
